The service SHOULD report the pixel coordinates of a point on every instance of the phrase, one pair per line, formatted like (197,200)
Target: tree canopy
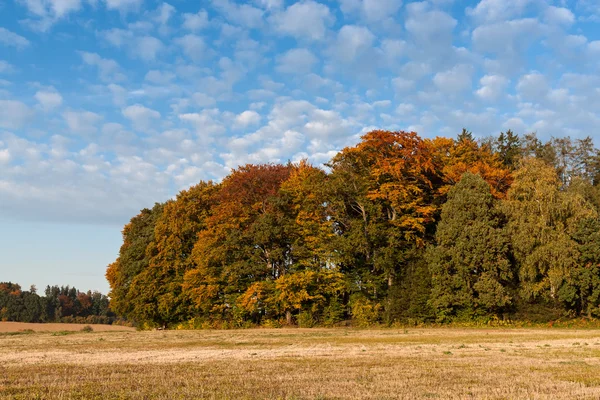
(397,227)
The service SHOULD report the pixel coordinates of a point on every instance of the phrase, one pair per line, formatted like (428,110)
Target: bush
(364,311)
(87,329)
(333,313)
(305,319)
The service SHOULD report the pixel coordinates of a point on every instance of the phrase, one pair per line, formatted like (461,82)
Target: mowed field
(446,363)
(16,327)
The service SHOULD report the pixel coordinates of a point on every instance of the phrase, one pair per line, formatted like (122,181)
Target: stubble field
(446,363)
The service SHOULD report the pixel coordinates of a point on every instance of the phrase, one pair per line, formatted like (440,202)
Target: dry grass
(9,327)
(304,364)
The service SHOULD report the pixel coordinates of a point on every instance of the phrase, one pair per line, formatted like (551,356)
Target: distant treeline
(398,228)
(59,304)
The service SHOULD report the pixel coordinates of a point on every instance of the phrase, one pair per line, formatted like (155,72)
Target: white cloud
(203,100)
(195,22)
(492,87)
(247,118)
(143,118)
(123,5)
(49,100)
(82,122)
(108,69)
(533,86)
(164,13)
(405,109)
(294,20)
(148,47)
(48,12)
(507,40)
(296,61)
(4,156)
(240,14)
(14,114)
(352,42)
(159,77)
(207,122)
(499,10)
(559,15)
(454,80)
(117,37)
(193,46)
(11,39)
(402,85)
(5,67)
(119,94)
(269,4)
(372,10)
(429,27)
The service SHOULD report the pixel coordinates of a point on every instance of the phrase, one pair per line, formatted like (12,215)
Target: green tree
(469,264)
(542,220)
(508,147)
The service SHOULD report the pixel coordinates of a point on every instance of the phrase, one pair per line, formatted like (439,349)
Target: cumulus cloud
(11,39)
(142,118)
(296,61)
(123,5)
(193,46)
(499,10)
(559,15)
(247,118)
(47,12)
(5,67)
(195,22)
(352,42)
(14,114)
(454,80)
(270,81)
(82,122)
(48,100)
(240,14)
(492,87)
(293,20)
(148,47)
(429,27)
(533,86)
(109,70)
(4,156)
(372,10)
(144,46)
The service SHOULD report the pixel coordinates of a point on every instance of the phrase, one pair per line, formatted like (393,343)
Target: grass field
(446,363)
(7,327)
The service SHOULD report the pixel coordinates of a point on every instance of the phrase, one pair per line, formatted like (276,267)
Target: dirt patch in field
(23,326)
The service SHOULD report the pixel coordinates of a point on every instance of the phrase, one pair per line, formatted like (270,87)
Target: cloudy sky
(107,106)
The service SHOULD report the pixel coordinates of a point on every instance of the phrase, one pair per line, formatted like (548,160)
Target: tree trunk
(288,317)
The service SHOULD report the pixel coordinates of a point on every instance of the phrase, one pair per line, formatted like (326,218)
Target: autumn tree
(542,222)
(123,274)
(245,239)
(453,158)
(381,205)
(157,290)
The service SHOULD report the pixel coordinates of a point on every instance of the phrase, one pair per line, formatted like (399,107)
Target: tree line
(396,228)
(58,304)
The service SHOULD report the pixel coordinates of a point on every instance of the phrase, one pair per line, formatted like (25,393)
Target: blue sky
(107,106)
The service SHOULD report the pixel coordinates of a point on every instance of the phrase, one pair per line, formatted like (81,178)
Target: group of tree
(395,228)
(59,304)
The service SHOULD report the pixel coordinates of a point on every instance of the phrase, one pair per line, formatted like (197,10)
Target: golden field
(438,363)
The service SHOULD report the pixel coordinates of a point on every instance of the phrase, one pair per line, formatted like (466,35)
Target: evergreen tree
(470,268)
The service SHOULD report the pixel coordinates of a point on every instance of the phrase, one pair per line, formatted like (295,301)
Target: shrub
(305,319)
(87,329)
(364,311)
